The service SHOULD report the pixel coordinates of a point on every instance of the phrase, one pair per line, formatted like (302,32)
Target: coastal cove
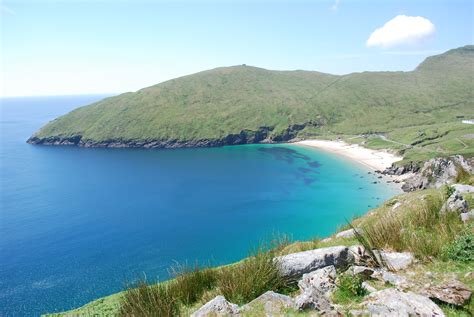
(80,223)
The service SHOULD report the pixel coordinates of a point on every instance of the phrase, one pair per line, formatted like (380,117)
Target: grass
(418,111)
(423,230)
(251,278)
(350,289)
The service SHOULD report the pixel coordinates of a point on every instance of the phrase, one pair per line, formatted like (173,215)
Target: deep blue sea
(77,224)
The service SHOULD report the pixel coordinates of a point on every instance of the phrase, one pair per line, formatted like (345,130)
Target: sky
(105,46)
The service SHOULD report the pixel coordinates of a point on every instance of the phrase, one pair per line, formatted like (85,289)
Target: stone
(397,261)
(357,313)
(272,303)
(469,275)
(313,299)
(296,264)
(363,271)
(346,234)
(392,302)
(389,277)
(359,254)
(322,280)
(369,288)
(454,292)
(218,306)
(455,203)
(461,188)
(467,216)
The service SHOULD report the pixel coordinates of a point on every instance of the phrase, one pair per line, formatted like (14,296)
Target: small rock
(455,203)
(321,280)
(359,254)
(357,313)
(363,271)
(273,303)
(397,260)
(467,216)
(391,302)
(347,234)
(297,264)
(218,306)
(469,275)
(461,188)
(455,293)
(369,288)
(313,299)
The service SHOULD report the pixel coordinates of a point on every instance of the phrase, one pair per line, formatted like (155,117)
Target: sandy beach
(375,159)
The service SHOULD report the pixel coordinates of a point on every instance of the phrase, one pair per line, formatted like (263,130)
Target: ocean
(79,223)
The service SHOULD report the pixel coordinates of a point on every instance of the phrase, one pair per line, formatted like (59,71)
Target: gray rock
(454,292)
(218,306)
(357,313)
(297,264)
(455,203)
(322,280)
(359,254)
(313,299)
(391,302)
(346,234)
(397,260)
(462,189)
(272,303)
(438,172)
(369,288)
(467,216)
(363,271)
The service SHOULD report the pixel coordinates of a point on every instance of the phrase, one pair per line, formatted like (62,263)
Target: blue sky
(82,47)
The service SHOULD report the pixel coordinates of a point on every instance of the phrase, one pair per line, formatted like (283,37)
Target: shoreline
(374,159)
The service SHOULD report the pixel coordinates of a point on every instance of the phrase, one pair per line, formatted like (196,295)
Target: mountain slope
(242,104)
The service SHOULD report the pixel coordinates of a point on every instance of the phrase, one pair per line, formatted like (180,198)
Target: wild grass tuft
(190,283)
(252,277)
(422,229)
(142,299)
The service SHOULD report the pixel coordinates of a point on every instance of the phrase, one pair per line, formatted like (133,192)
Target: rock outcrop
(454,293)
(296,264)
(271,302)
(391,302)
(218,306)
(437,172)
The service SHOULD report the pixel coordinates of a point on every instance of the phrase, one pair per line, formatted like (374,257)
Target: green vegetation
(349,289)
(417,113)
(462,249)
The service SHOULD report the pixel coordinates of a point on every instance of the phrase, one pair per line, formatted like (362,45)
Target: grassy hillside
(214,104)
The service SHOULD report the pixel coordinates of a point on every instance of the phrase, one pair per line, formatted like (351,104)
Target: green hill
(243,104)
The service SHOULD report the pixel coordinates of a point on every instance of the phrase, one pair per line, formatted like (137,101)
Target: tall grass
(422,229)
(251,278)
(149,300)
(190,284)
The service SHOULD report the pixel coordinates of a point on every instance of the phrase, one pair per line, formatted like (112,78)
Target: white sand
(375,159)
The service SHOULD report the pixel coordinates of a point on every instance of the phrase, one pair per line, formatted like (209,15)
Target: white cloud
(335,5)
(401,30)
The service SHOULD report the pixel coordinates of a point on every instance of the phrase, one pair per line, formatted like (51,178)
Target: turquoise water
(77,224)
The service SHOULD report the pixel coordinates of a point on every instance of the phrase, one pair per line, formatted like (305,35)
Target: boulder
(467,216)
(397,261)
(389,277)
(272,303)
(391,302)
(322,280)
(296,264)
(346,234)
(313,299)
(218,306)
(455,203)
(454,293)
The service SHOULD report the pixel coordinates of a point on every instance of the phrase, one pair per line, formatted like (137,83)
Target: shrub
(349,289)
(462,249)
(190,284)
(142,299)
(250,278)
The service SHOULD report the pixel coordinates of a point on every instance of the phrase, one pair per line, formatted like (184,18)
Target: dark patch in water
(284,154)
(314,164)
(309,181)
(307,170)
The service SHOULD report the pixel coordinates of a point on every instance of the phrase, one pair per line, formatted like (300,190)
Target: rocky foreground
(315,270)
